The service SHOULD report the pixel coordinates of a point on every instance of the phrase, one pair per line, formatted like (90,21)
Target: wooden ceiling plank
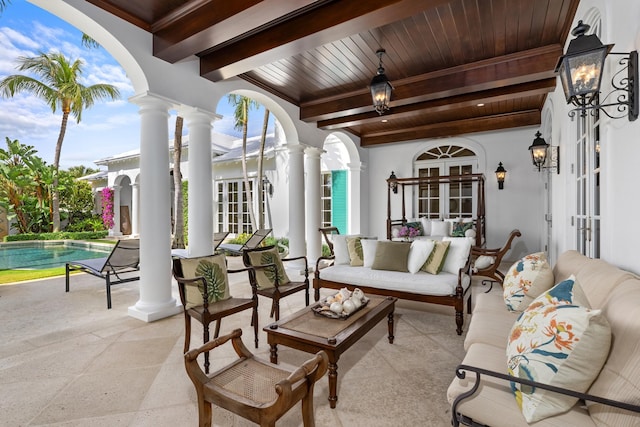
(121,13)
(458,127)
(332,21)
(526,66)
(427,108)
(200,24)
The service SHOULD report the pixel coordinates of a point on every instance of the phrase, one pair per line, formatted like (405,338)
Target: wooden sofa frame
(457,300)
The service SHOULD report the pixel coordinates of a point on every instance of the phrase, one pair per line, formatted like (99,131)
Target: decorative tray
(322,309)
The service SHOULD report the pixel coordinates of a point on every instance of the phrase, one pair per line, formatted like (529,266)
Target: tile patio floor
(65,360)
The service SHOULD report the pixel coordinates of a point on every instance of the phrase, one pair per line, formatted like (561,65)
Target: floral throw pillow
(460,228)
(562,345)
(525,280)
(214,270)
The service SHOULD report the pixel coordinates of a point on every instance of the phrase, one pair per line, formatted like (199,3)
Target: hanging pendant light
(381,87)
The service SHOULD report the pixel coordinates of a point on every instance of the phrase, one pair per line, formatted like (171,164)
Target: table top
(306,326)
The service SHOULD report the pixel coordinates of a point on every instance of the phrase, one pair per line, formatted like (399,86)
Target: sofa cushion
(439,228)
(619,378)
(426,226)
(354,246)
(214,270)
(459,249)
(436,259)
(598,278)
(526,279)
(493,404)
(418,254)
(562,345)
(368,251)
(391,256)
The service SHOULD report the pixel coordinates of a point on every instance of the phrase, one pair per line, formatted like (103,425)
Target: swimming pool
(40,255)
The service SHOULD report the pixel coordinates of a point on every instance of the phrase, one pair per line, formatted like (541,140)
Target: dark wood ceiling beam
(523,90)
(521,67)
(333,21)
(458,127)
(120,13)
(200,24)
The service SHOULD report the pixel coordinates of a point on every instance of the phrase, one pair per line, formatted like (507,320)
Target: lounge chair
(124,258)
(218,238)
(253,242)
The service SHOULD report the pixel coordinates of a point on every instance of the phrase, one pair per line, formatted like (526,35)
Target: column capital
(295,148)
(314,152)
(198,115)
(357,166)
(148,100)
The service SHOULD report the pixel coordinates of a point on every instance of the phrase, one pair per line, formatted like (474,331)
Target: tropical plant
(178,218)
(15,181)
(263,141)
(242,105)
(60,87)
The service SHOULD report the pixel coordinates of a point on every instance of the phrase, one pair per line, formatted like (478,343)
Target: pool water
(40,255)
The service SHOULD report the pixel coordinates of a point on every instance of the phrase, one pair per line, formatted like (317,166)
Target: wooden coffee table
(310,332)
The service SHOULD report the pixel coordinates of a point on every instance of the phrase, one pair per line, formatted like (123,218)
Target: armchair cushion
(214,270)
(525,280)
(266,277)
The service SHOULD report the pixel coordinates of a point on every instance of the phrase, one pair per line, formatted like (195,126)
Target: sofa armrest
(320,259)
(461,371)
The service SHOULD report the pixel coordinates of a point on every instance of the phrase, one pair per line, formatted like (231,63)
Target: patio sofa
(450,286)
(486,383)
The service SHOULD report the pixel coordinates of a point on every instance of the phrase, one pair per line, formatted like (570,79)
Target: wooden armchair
(272,281)
(200,282)
(487,261)
(252,388)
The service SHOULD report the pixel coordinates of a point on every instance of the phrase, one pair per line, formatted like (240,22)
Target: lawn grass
(12,276)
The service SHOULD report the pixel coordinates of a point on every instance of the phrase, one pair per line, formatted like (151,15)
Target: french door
(452,200)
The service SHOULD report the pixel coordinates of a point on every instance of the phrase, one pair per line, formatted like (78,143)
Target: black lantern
(393,182)
(381,88)
(538,151)
(581,70)
(501,174)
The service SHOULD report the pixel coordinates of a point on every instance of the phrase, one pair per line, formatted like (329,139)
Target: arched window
(455,200)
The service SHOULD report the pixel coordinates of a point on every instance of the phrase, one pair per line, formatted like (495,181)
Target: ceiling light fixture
(581,76)
(381,87)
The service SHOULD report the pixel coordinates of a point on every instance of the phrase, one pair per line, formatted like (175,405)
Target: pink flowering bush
(107,207)
(410,232)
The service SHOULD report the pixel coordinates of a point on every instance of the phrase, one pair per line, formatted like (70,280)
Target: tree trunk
(178,220)
(260,188)
(247,188)
(55,198)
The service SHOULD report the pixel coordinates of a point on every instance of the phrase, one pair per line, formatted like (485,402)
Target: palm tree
(241,115)
(60,88)
(263,140)
(4,4)
(178,216)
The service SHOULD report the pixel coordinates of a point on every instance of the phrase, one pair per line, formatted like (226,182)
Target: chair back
(218,238)
(125,254)
(327,232)
(201,287)
(257,238)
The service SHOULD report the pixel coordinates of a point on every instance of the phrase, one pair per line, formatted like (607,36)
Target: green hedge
(61,235)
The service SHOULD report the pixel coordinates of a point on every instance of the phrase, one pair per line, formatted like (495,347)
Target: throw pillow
(482,262)
(525,280)
(356,255)
(369,251)
(566,292)
(458,254)
(418,254)
(340,249)
(437,257)
(391,256)
(439,228)
(562,345)
(426,226)
(460,229)
(214,270)
(266,277)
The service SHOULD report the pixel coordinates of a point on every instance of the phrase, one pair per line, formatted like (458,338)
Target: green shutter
(339,200)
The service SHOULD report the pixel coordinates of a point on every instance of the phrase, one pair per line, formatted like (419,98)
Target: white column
(297,246)
(115,231)
(156,301)
(200,182)
(313,197)
(135,208)
(354,197)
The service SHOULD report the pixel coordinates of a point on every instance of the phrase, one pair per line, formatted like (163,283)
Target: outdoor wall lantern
(501,174)
(581,75)
(540,154)
(393,182)
(381,87)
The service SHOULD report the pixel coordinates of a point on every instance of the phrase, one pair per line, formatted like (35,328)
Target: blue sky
(107,128)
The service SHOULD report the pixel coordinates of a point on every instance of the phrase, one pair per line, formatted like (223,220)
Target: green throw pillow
(460,228)
(391,256)
(265,277)
(436,259)
(214,270)
(356,255)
